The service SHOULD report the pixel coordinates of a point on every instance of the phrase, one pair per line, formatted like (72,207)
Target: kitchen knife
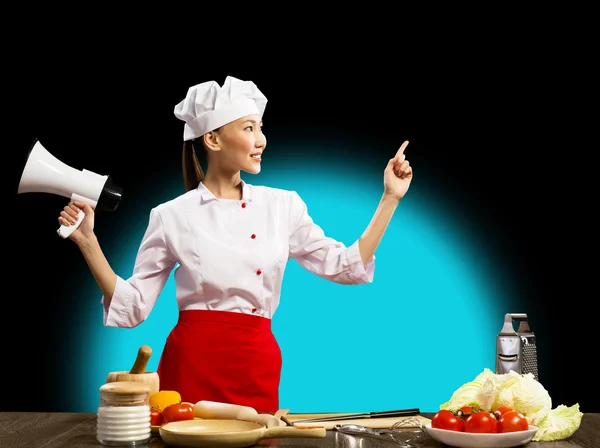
(382,414)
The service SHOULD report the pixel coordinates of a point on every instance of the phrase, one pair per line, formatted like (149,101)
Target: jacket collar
(207,196)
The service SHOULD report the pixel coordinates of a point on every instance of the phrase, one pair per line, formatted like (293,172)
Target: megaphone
(44,173)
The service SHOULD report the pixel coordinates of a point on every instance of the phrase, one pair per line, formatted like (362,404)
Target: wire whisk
(408,432)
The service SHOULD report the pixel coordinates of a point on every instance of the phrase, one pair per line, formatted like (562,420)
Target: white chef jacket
(229,254)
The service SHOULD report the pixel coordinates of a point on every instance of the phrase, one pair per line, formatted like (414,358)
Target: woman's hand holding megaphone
(70,217)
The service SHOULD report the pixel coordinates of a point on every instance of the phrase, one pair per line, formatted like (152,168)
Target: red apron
(222,356)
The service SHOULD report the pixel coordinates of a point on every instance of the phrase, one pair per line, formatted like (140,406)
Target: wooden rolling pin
(216,410)
(138,372)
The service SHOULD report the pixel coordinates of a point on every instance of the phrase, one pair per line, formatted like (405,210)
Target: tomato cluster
(473,419)
(172,413)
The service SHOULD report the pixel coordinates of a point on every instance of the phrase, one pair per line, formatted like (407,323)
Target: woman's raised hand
(398,174)
(70,215)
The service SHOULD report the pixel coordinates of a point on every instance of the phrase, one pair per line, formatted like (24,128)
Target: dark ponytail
(192,171)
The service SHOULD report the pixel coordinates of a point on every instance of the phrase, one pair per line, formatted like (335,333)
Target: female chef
(229,242)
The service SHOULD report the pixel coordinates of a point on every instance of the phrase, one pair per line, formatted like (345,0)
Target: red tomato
(178,411)
(156,417)
(481,422)
(501,410)
(445,419)
(512,421)
(465,411)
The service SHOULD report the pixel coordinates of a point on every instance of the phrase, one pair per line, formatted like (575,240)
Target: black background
(499,123)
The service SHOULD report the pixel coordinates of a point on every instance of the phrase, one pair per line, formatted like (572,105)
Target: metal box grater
(516,350)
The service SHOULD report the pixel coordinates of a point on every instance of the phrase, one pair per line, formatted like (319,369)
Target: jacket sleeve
(322,255)
(135,297)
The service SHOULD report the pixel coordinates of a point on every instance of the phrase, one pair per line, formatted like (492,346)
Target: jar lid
(124,392)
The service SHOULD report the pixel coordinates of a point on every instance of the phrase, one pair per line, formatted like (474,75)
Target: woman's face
(241,144)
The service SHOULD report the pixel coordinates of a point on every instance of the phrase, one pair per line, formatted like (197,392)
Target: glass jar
(123,414)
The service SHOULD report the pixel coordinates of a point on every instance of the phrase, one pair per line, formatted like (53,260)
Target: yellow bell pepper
(163,398)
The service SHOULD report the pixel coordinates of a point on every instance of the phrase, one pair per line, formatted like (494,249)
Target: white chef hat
(207,106)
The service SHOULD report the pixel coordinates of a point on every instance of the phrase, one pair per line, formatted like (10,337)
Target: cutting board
(378,423)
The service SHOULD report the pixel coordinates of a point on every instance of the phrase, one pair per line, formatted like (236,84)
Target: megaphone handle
(66,231)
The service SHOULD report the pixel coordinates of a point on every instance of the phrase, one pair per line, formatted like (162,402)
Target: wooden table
(78,430)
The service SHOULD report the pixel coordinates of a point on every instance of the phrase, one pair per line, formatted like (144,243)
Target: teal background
(426,325)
